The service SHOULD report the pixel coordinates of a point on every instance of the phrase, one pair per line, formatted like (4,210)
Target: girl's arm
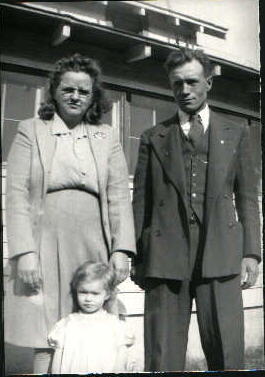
(122,359)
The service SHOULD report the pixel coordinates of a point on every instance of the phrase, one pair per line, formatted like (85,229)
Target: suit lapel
(167,146)
(222,144)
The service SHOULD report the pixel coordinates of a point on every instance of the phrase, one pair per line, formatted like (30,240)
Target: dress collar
(59,128)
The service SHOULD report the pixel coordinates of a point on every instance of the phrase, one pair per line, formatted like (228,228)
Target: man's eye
(192,82)
(84,92)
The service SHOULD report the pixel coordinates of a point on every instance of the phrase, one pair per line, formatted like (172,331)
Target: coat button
(225,195)
(157,233)
(161,203)
(231,224)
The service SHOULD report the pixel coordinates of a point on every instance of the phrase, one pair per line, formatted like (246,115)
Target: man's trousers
(219,308)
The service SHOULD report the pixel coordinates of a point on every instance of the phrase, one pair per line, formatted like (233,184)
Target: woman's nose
(75,94)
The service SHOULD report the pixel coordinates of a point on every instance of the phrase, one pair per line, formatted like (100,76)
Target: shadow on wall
(19,360)
(254,359)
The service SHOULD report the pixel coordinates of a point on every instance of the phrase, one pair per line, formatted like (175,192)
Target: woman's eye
(67,90)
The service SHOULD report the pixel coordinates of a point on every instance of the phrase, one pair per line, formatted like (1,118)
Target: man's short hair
(184,55)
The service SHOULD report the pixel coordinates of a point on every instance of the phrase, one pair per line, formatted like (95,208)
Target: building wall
(241,17)
(141,97)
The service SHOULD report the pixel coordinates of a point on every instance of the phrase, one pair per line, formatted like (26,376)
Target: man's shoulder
(228,119)
(160,127)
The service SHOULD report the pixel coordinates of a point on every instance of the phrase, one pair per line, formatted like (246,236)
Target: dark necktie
(196,129)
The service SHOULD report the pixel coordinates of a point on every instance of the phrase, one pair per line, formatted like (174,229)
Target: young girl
(91,340)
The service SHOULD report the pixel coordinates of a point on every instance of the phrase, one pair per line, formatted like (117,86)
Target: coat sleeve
(119,201)
(246,197)
(142,195)
(19,227)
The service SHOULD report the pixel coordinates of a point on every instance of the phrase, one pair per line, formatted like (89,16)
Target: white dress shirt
(184,118)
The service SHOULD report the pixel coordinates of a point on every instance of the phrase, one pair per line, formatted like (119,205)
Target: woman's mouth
(73,105)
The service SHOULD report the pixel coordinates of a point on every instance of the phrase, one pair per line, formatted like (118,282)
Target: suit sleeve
(119,201)
(142,196)
(19,227)
(246,198)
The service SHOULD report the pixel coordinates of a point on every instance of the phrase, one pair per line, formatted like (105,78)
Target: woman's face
(73,96)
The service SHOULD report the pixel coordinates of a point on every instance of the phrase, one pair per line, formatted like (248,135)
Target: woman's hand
(28,270)
(119,261)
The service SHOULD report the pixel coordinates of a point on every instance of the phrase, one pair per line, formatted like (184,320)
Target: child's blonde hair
(92,271)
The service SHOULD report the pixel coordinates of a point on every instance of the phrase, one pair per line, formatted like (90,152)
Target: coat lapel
(222,147)
(167,146)
(46,143)
(98,139)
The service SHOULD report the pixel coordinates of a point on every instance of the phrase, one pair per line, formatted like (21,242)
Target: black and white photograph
(131,187)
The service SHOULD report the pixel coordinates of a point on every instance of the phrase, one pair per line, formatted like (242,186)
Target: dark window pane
(20,94)
(20,102)
(141,119)
(9,132)
(134,146)
(113,117)
(145,112)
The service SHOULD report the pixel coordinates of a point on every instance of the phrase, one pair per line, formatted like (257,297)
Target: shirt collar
(203,113)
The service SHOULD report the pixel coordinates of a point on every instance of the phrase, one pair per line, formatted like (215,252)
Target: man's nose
(185,88)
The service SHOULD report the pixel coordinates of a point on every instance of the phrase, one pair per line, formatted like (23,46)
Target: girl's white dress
(90,343)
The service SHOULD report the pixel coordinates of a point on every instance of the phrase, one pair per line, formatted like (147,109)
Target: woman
(67,202)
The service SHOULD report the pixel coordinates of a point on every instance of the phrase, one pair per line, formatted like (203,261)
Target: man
(193,241)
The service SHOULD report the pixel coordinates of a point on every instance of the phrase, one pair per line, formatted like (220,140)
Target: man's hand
(137,275)
(28,270)
(119,261)
(249,272)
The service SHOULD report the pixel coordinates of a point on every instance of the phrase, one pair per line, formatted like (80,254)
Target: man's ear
(209,81)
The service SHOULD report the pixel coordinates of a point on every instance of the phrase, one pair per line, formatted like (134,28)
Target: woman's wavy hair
(77,63)
(93,271)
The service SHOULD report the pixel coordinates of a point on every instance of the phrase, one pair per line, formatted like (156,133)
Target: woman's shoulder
(28,125)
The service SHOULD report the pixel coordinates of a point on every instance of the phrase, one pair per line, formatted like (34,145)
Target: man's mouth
(186,100)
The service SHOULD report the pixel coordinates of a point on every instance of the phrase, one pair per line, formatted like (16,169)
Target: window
(21,96)
(145,112)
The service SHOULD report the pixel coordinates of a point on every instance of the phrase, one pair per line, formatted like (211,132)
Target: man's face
(190,86)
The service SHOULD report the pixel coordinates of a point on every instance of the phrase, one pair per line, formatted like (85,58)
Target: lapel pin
(222,142)
(99,135)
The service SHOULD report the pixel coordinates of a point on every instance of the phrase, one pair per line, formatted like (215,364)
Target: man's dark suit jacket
(232,228)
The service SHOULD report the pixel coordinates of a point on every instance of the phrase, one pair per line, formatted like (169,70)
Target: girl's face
(91,296)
